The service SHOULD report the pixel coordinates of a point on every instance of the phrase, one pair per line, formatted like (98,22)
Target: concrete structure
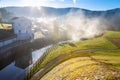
(22,28)
(8,41)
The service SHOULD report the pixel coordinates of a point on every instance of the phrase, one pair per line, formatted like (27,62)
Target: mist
(78,26)
(74,26)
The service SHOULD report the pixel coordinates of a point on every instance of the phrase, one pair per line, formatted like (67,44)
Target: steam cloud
(78,26)
(75,26)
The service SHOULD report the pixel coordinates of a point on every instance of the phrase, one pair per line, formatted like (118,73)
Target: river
(17,61)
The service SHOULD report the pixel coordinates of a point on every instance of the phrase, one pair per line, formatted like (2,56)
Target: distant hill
(37,12)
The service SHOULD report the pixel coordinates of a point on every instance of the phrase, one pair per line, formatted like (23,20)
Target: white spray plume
(75,25)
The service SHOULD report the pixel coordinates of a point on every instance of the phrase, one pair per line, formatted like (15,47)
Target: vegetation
(6,31)
(99,48)
(110,57)
(81,68)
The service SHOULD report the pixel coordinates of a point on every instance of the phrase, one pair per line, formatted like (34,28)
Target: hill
(49,11)
(98,55)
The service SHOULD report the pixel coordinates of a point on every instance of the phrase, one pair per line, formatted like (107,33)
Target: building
(22,28)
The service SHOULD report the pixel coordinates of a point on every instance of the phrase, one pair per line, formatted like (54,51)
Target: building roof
(15,18)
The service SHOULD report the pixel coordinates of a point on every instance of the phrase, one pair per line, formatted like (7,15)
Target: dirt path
(58,60)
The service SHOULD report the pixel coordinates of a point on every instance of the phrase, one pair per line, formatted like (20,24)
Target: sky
(86,4)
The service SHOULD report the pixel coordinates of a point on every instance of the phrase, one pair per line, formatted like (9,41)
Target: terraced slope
(82,68)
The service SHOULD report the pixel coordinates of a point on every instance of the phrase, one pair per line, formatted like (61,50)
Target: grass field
(100,48)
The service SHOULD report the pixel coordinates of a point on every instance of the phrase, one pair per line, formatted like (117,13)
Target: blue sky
(87,4)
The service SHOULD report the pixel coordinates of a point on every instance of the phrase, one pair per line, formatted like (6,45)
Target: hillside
(93,59)
(82,68)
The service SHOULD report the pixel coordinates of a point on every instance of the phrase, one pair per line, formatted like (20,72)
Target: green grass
(112,34)
(100,42)
(109,57)
(97,42)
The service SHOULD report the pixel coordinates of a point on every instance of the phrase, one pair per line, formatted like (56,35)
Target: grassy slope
(109,57)
(72,71)
(99,42)
(80,68)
